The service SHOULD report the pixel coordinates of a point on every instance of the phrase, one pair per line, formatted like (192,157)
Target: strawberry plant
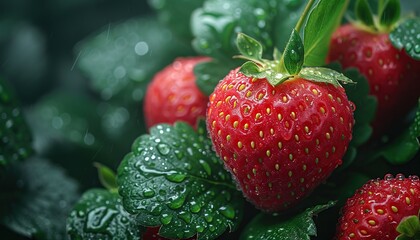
(210,119)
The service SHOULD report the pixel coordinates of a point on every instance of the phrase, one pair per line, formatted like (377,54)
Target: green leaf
(294,53)
(122,59)
(319,28)
(107,177)
(405,36)
(409,228)
(36,199)
(176,15)
(15,136)
(270,227)
(209,74)
(390,13)
(99,214)
(173,178)
(325,75)
(364,13)
(250,48)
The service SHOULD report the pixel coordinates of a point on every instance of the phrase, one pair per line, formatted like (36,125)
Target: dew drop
(388,176)
(228,211)
(199,228)
(208,217)
(165,219)
(186,216)
(177,201)
(206,166)
(100,218)
(176,178)
(163,148)
(148,192)
(195,207)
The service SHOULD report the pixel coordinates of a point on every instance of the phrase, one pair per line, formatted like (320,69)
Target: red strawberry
(173,95)
(152,233)
(281,141)
(392,75)
(376,209)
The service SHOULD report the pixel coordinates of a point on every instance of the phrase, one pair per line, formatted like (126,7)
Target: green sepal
(405,36)
(294,54)
(99,214)
(173,178)
(107,177)
(325,75)
(409,228)
(250,48)
(252,69)
(277,227)
(390,13)
(364,13)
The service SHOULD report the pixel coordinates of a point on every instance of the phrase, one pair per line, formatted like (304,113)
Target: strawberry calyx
(409,228)
(290,64)
(384,21)
(284,67)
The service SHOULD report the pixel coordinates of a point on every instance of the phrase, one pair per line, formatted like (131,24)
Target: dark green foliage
(36,198)
(173,178)
(99,214)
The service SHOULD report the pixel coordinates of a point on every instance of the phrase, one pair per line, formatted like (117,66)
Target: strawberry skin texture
(376,209)
(392,75)
(278,142)
(173,95)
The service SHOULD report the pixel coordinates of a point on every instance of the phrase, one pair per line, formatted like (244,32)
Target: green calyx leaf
(173,178)
(389,14)
(99,214)
(319,28)
(326,75)
(409,228)
(364,13)
(250,48)
(406,36)
(270,227)
(107,177)
(294,54)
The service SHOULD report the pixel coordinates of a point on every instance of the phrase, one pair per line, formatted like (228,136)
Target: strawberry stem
(304,15)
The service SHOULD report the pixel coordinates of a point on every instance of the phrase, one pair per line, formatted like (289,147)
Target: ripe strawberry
(173,95)
(152,233)
(281,141)
(377,208)
(391,73)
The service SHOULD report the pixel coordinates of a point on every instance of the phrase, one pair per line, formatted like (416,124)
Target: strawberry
(173,95)
(280,141)
(152,233)
(391,73)
(378,207)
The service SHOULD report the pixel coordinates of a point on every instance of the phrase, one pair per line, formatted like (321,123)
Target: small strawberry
(152,233)
(392,74)
(173,95)
(280,133)
(381,207)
